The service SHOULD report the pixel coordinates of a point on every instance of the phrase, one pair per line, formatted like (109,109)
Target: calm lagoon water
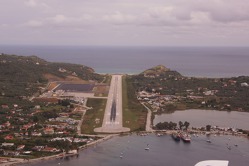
(201,118)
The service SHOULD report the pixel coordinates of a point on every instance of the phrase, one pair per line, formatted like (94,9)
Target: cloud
(179,19)
(201,18)
(224,11)
(31,3)
(34,23)
(59,18)
(119,18)
(4,25)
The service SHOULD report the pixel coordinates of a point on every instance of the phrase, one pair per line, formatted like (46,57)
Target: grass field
(101,90)
(93,117)
(107,79)
(134,114)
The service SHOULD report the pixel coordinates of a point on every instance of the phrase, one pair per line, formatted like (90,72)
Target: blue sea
(189,61)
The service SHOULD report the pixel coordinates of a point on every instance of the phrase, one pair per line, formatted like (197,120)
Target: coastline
(23,161)
(107,137)
(20,161)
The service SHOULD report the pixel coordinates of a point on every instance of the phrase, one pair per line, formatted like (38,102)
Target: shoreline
(20,161)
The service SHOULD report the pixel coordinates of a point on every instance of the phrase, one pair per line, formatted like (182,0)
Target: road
(113,121)
(148,121)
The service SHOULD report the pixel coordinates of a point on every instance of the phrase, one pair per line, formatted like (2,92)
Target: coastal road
(113,120)
(148,121)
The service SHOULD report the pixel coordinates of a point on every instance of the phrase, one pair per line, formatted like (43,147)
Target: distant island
(48,108)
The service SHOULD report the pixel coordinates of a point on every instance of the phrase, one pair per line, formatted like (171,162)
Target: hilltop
(170,91)
(158,71)
(23,75)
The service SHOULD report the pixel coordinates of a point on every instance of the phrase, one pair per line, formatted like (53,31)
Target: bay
(163,151)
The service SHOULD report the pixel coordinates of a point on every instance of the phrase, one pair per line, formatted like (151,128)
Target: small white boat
(208,141)
(147,148)
(213,163)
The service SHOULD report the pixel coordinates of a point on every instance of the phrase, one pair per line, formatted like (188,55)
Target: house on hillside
(49,149)
(5,106)
(20,147)
(48,131)
(9,137)
(8,144)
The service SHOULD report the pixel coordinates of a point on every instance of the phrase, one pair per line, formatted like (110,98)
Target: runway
(113,122)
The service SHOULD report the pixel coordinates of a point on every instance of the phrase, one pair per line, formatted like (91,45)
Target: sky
(125,22)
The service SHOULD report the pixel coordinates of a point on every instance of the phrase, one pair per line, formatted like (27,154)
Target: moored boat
(186,138)
(176,136)
(209,141)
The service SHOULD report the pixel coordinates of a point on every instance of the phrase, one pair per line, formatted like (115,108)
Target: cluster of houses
(8,149)
(18,127)
(71,139)
(155,100)
(218,130)
(199,95)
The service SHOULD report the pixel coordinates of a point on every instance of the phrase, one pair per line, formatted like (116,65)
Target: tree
(35,118)
(180,124)
(186,124)
(29,132)
(208,127)
(172,125)
(65,102)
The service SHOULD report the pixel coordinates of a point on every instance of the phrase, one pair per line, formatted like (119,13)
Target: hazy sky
(125,22)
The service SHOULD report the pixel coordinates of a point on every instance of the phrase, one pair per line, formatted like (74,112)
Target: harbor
(161,150)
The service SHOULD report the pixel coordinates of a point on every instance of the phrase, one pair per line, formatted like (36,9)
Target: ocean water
(189,61)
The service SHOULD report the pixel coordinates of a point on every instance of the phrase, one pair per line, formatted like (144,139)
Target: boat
(176,137)
(186,138)
(208,141)
(147,148)
(213,163)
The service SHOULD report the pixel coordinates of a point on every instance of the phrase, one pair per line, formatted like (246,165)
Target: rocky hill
(22,75)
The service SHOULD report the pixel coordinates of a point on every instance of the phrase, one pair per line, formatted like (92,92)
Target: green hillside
(192,92)
(23,75)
